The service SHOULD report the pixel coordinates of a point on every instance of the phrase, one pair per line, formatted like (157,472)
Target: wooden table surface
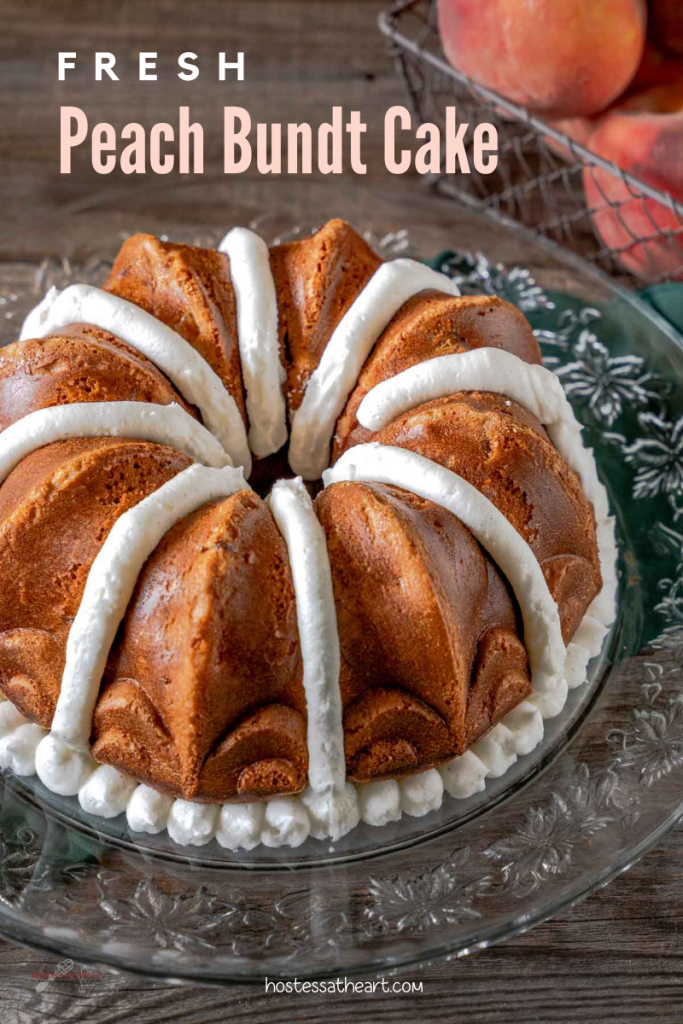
(617,957)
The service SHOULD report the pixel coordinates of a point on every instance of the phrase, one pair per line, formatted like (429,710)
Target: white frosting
(18,748)
(61,768)
(182,364)
(148,810)
(285,822)
(332,805)
(145,421)
(379,801)
(490,369)
(465,775)
(540,392)
(108,590)
(412,472)
(258,337)
(496,750)
(352,340)
(111,582)
(11,718)
(576,665)
(106,792)
(240,825)
(525,723)
(588,639)
(603,606)
(288,821)
(331,815)
(551,702)
(192,824)
(421,793)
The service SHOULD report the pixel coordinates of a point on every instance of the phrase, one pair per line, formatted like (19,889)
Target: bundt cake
(422,563)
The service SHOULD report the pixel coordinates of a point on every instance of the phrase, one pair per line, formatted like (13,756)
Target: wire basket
(543,177)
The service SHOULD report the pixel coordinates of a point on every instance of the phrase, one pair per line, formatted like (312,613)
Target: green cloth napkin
(667,300)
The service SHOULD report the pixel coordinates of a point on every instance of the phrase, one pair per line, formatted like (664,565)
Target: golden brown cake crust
(316,279)
(56,510)
(203,694)
(415,594)
(428,325)
(82,364)
(189,289)
(503,451)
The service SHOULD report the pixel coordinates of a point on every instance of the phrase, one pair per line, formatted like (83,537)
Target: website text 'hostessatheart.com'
(340,986)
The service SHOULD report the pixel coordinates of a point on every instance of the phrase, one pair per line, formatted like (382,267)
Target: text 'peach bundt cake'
(265,661)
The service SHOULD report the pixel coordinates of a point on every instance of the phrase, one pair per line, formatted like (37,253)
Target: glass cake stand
(604,786)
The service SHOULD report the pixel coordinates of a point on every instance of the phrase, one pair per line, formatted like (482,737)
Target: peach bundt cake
(263,661)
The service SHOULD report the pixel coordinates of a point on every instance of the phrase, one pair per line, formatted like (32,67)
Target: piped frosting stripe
(145,421)
(108,590)
(111,582)
(282,821)
(182,364)
(352,340)
(258,338)
(540,392)
(330,806)
(331,803)
(542,630)
(490,369)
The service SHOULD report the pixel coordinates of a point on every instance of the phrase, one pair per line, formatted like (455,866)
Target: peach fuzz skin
(559,59)
(579,129)
(644,136)
(656,68)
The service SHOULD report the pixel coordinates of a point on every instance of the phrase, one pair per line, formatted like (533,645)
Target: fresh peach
(561,58)
(643,136)
(656,68)
(579,129)
(666,24)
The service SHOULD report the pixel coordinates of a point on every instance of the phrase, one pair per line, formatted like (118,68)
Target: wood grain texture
(302,57)
(617,957)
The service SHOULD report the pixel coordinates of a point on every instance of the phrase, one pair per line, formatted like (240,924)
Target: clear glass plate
(603,787)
